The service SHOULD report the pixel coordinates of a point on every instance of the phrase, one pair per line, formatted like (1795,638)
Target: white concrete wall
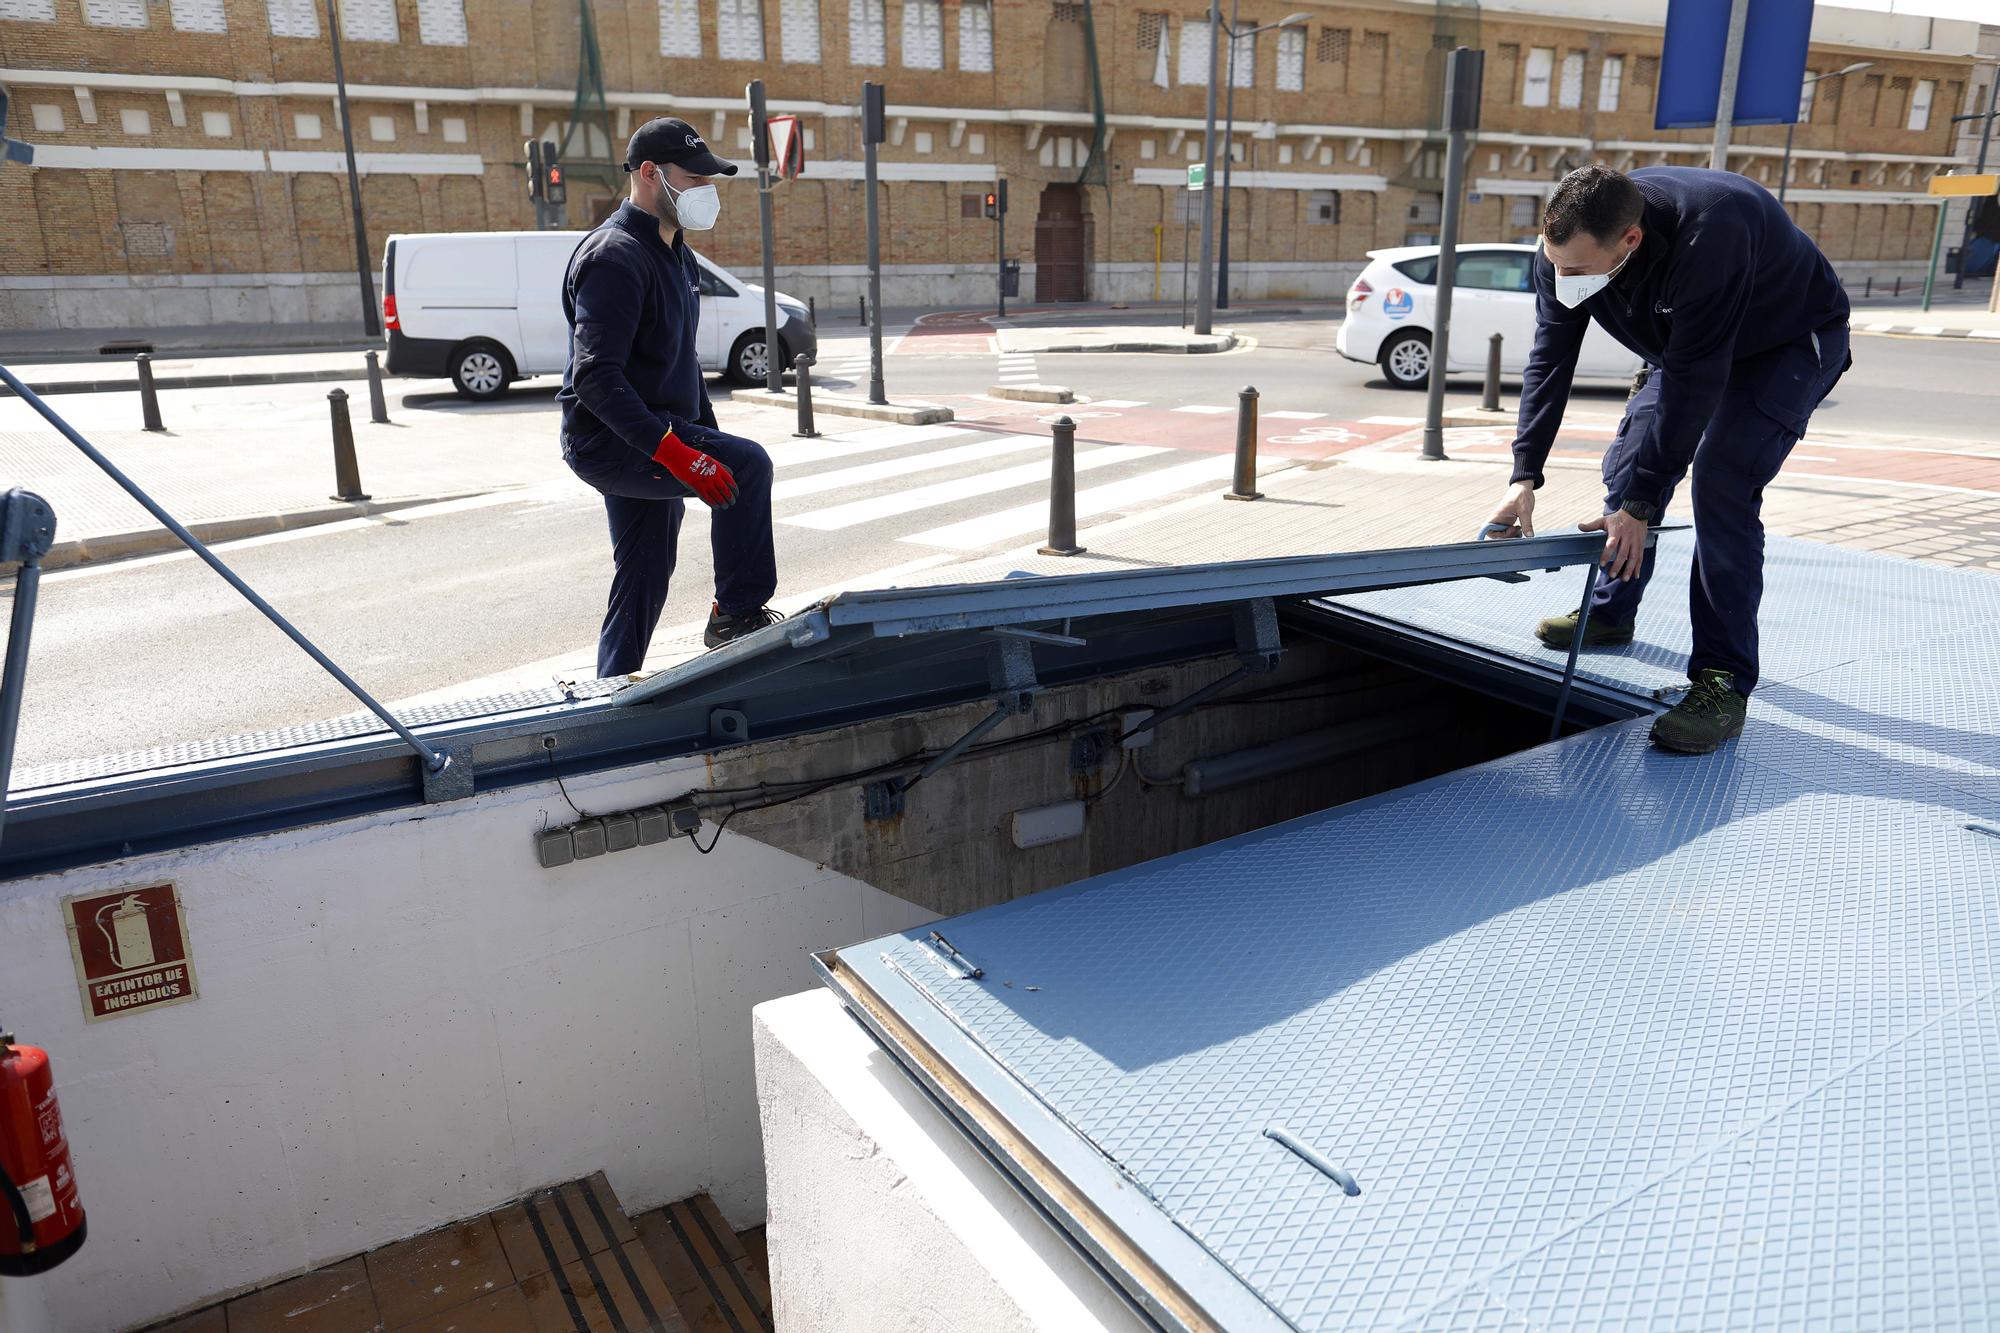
(883,1216)
(404,1020)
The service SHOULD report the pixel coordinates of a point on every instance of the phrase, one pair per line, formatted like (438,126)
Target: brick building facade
(189,165)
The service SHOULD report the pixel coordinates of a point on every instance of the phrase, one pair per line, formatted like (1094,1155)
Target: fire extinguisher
(41,1216)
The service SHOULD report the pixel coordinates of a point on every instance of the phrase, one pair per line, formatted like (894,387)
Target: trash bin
(1010,277)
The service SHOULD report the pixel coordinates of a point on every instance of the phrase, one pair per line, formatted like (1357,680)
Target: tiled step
(562,1260)
(719,1279)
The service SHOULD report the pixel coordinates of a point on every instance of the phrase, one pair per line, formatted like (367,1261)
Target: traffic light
(533,150)
(554,188)
(992,205)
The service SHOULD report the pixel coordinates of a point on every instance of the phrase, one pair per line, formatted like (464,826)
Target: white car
(1392,308)
(485,309)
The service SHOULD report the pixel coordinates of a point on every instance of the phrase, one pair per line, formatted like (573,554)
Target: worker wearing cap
(1742,325)
(636,420)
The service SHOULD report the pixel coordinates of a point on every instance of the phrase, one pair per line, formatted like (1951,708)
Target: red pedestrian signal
(992,205)
(554,190)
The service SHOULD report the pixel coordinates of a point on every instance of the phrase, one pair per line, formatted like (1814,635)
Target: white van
(485,309)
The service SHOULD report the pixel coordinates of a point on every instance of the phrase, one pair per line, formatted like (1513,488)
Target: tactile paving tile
(1509,1002)
(1823,606)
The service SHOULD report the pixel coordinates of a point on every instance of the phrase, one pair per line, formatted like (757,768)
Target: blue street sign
(1773,66)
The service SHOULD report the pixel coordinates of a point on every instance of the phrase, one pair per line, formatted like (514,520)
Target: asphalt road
(1931,387)
(159,651)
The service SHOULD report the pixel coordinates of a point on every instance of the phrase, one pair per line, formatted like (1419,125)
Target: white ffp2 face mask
(1576,288)
(695,208)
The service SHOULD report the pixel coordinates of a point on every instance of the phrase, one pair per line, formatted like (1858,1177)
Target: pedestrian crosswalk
(952,488)
(1018,368)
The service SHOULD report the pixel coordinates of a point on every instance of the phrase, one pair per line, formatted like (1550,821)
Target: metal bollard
(860,310)
(803,371)
(1899,287)
(346,470)
(812,311)
(149,397)
(1062,491)
(1491,401)
(1868,288)
(378,406)
(1245,485)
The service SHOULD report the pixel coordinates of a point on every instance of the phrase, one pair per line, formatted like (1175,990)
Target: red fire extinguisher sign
(41,1215)
(131,950)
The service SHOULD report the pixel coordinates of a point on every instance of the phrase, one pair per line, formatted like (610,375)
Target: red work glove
(713,484)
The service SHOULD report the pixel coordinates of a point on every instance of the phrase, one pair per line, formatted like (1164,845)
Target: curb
(1227,341)
(195,381)
(1032,393)
(1925,331)
(1479,416)
(153,541)
(901,414)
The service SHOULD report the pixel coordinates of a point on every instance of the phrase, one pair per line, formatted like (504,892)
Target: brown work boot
(1558,631)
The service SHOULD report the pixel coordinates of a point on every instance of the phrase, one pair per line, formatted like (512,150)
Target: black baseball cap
(670,140)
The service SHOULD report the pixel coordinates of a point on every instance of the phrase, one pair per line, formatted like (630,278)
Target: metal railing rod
(434,760)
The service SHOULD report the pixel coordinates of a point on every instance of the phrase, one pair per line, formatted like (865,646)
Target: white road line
(1116,402)
(1294,416)
(963,488)
(1928,330)
(1986,333)
(1391,421)
(1203,408)
(793,453)
(988,529)
(821,482)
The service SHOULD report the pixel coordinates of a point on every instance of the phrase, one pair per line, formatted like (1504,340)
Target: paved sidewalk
(120,374)
(1955,313)
(276,472)
(52,345)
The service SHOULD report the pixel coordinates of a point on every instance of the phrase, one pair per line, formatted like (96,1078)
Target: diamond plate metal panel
(1507,1001)
(313,733)
(1931,710)
(1823,606)
(1870,1204)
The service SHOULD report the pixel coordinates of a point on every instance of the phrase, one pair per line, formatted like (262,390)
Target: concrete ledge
(154,541)
(1220,342)
(1032,393)
(854,1147)
(902,414)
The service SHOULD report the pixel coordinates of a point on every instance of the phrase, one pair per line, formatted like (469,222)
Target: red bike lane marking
(1915,466)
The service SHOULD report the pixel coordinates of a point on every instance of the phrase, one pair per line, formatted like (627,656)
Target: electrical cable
(770,795)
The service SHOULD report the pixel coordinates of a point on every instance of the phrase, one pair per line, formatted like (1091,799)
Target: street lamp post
(1985,138)
(1229,138)
(1204,277)
(362,270)
(1785,172)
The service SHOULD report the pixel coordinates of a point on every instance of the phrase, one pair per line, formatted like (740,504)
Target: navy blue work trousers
(1764,411)
(645,505)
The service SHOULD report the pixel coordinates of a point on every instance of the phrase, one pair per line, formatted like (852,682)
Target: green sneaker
(1711,713)
(1558,631)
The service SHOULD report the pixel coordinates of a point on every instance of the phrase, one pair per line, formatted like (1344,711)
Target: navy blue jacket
(634,373)
(1723,279)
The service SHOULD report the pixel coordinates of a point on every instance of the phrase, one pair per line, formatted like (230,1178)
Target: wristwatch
(1641,510)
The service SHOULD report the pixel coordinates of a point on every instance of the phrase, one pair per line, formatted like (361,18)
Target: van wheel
(1406,359)
(749,360)
(479,371)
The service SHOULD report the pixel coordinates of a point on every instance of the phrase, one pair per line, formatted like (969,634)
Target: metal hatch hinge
(1011,671)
